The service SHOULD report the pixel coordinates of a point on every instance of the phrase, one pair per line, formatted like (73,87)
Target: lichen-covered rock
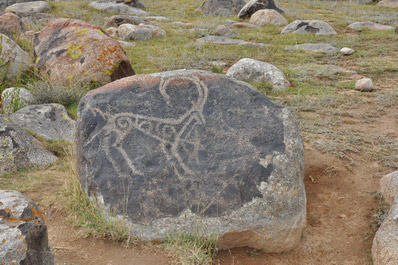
(316,27)
(29,8)
(188,149)
(14,98)
(255,5)
(118,8)
(11,25)
(13,60)
(221,7)
(71,51)
(50,121)
(251,70)
(18,149)
(140,32)
(268,17)
(23,233)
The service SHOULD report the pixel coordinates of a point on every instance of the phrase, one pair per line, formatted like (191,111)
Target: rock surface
(225,31)
(118,8)
(15,98)
(13,60)
(364,85)
(268,17)
(11,25)
(255,5)
(23,233)
(316,27)
(189,149)
(18,149)
(251,70)
(385,242)
(317,47)
(388,3)
(48,120)
(29,8)
(116,21)
(71,51)
(221,7)
(369,25)
(347,51)
(140,32)
(228,41)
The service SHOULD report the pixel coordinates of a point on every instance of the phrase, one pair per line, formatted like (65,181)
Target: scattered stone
(50,121)
(228,41)
(221,7)
(225,31)
(385,242)
(112,32)
(19,149)
(268,17)
(317,47)
(71,51)
(13,60)
(23,233)
(132,3)
(126,44)
(250,70)
(140,32)
(11,25)
(15,98)
(369,25)
(121,9)
(116,21)
(146,156)
(364,85)
(388,3)
(29,8)
(347,51)
(157,18)
(242,25)
(316,27)
(255,5)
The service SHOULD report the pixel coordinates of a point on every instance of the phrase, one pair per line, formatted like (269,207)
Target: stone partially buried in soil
(221,7)
(23,233)
(255,5)
(71,51)
(316,27)
(178,151)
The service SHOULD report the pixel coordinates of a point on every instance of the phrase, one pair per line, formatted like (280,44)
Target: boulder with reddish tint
(11,25)
(23,233)
(179,151)
(71,51)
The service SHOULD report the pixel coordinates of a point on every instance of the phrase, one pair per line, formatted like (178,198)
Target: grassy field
(332,116)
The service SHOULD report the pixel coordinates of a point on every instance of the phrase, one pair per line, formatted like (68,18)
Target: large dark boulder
(183,150)
(254,5)
(221,7)
(23,233)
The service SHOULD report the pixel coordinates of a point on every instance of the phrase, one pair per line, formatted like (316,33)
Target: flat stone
(50,121)
(251,70)
(225,31)
(228,41)
(316,27)
(242,25)
(268,17)
(118,8)
(221,7)
(364,85)
(347,51)
(253,6)
(23,233)
(186,150)
(15,98)
(29,8)
(317,47)
(369,25)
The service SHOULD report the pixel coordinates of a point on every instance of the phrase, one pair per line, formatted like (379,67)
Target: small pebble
(347,51)
(364,85)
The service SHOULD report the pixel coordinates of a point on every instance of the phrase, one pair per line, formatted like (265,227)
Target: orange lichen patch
(35,212)
(7,210)
(11,220)
(15,206)
(3,241)
(20,237)
(1,203)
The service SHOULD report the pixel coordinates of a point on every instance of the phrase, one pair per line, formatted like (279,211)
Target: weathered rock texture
(221,7)
(251,70)
(11,25)
(13,60)
(228,41)
(48,120)
(15,98)
(388,3)
(29,8)
(268,17)
(369,25)
(316,27)
(116,21)
(385,242)
(71,51)
(183,150)
(118,8)
(5,3)
(255,5)
(364,84)
(23,233)
(140,32)
(18,149)
(317,47)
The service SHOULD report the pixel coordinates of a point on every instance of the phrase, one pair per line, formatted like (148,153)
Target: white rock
(364,84)
(250,70)
(347,51)
(268,17)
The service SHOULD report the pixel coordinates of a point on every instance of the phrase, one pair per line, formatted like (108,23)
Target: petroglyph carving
(173,134)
